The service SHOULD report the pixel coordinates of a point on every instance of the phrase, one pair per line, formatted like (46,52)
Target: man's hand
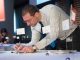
(24,49)
(27,49)
(77,22)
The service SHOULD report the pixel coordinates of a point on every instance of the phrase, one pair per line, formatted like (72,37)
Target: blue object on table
(53,44)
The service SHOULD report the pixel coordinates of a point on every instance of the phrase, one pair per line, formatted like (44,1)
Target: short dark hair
(31,9)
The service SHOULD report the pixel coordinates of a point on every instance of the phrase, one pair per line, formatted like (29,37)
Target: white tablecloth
(40,55)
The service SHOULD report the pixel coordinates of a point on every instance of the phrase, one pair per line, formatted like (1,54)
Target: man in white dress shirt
(56,25)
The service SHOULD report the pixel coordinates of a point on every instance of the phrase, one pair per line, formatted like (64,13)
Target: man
(53,18)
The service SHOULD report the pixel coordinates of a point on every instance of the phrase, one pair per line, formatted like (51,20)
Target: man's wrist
(34,48)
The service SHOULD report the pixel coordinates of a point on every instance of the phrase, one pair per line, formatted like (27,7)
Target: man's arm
(35,38)
(35,35)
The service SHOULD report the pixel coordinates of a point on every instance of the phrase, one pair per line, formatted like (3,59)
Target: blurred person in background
(4,36)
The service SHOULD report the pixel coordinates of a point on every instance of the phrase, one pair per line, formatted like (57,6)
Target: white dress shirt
(53,16)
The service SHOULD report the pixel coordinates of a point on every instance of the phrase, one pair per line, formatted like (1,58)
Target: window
(41,1)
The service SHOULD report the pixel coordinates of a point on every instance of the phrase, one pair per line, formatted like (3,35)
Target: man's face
(30,20)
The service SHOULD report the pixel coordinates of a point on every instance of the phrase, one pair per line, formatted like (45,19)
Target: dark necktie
(42,35)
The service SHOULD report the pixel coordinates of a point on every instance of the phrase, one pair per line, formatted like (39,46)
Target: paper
(20,31)
(46,29)
(65,24)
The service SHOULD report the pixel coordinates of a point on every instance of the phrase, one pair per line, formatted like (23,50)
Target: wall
(8,23)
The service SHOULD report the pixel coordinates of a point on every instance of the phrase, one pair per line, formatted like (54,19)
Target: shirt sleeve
(35,35)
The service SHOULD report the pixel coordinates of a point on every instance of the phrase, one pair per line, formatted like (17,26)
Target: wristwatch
(34,48)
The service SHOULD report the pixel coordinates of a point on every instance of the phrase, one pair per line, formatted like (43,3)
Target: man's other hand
(24,49)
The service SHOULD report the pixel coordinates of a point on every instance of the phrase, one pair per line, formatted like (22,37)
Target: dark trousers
(76,39)
(61,44)
(75,44)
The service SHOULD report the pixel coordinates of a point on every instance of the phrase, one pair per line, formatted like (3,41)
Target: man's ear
(37,14)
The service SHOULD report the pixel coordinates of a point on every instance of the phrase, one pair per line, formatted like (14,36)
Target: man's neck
(39,18)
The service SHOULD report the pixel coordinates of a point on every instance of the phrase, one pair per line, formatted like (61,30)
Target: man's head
(31,15)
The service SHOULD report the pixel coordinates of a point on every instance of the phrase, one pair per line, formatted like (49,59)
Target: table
(39,55)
